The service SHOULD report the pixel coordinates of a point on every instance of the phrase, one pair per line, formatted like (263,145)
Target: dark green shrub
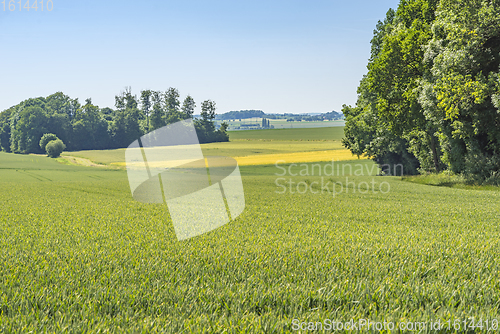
(54,148)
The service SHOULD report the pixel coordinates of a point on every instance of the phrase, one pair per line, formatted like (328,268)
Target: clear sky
(278,56)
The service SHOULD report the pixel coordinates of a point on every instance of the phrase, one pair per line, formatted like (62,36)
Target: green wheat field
(78,254)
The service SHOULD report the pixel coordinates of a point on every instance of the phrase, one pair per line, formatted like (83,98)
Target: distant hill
(333,115)
(245,114)
(240,114)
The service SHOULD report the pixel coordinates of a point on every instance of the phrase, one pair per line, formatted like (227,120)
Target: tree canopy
(431,97)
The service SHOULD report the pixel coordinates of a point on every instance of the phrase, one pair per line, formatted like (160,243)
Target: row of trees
(85,127)
(431,97)
(266,124)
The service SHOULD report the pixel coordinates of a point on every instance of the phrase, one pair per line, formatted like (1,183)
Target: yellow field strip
(269,159)
(315,156)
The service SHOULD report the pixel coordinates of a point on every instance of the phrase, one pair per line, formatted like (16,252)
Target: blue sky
(278,56)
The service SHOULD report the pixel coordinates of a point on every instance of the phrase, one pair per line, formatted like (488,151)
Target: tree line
(329,116)
(244,114)
(241,114)
(86,126)
(431,97)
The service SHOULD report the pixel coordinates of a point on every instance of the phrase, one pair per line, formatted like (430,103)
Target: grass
(15,168)
(447,180)
(106,157)
(78,254)
(28,162)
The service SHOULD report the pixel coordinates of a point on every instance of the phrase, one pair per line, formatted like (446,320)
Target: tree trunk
(434,153)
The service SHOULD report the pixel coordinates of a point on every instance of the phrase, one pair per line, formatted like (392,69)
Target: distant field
(281,124)
(287,144)
(329,133)
(106,157)
(32,168)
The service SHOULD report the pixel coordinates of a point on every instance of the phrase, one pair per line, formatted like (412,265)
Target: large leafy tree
(61,110)
(52,114)
(367,128)
(205,127)
(188,106)
(146,102)
(59,103)
(172,104)
(394,77)
(157,118)
(125,127)
(172,100)
(27,127)
(5,130)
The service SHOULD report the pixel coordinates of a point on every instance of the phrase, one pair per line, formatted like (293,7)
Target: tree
(54,148)
(158,112)
(46,138)
(60,103)
(208,110)
(125,127)
(28,124)
(395,74)
(5,130)
(266,124)
(188,106)
(221,134)
(61,110)
(205,127)
(365,134)
(146,105)
(387,116)
(172,100)
(172,104)
(107,114)
(90,129)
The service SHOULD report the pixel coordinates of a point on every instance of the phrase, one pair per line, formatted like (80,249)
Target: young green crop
(78,254)
(327,133)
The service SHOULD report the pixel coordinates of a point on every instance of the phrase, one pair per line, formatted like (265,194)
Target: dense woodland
(87,127)
(431,97)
